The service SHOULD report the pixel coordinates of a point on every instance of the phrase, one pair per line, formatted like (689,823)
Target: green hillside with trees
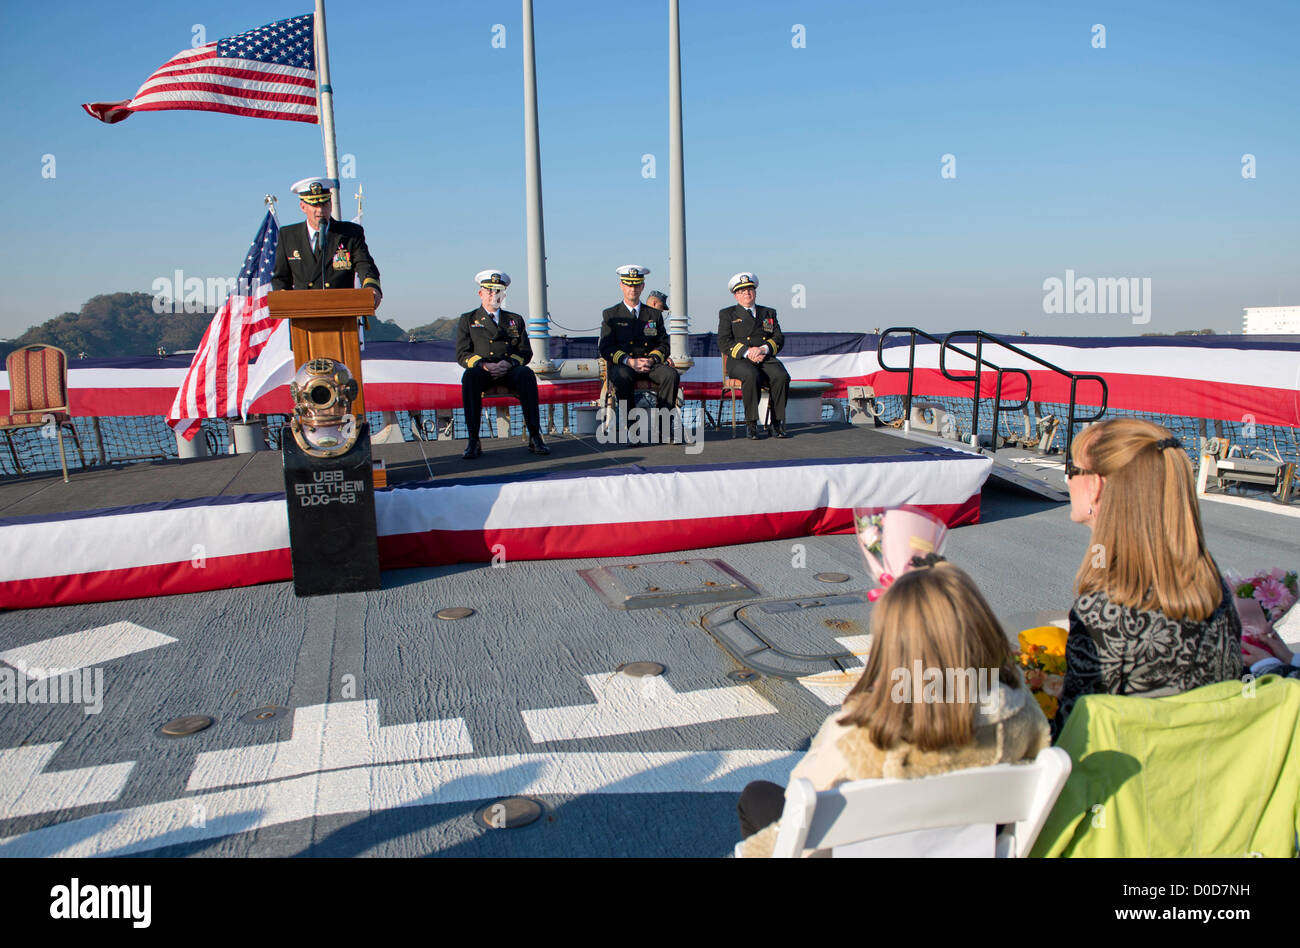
(125,324)
(442,328)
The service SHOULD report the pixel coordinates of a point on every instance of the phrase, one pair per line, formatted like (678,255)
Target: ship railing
(998,407)
(981,364)
(1074,377)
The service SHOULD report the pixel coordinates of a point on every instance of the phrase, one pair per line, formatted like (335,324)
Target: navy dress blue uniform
(343,258)
(481,339)
(624,335)
(738,330)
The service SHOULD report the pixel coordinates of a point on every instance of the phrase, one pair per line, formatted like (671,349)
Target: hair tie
(1168,443)
(925,562)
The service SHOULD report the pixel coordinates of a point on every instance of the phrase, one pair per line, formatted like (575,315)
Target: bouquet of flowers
(1262,600)
(891,537)
(1042,658)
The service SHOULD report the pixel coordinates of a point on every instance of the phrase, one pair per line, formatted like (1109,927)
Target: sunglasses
(1073,470)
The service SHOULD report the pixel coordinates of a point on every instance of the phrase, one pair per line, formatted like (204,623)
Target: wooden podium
(323,325)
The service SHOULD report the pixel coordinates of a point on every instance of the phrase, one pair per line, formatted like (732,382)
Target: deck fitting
(271,712)
(184,727)
(832,577)
(455,612)
(640,669)
(787,638)
(510,813)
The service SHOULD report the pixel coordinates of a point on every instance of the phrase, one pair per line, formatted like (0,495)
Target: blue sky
(818,166)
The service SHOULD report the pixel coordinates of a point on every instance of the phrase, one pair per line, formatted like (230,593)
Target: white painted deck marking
(83,649)
(1042,462)
(378,788)
(832,687)
(25,791)
(1266,506)
(626,705)
(331,737)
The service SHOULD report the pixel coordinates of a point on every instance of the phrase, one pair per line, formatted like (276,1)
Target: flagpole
(679,319)
(325,96)
(538,317)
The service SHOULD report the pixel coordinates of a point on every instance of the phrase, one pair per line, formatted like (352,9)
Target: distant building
(1261,320)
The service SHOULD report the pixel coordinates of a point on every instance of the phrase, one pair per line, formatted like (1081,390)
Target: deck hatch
(668,584)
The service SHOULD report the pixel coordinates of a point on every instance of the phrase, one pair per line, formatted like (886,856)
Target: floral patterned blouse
(1121,650)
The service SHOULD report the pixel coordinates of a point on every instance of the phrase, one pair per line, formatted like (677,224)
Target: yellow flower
(1048,637)
(1047,703)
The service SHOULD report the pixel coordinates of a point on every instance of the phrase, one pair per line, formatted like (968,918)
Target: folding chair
(38,395)
(735,387)
(1017,794)
(503,412)
(608,397)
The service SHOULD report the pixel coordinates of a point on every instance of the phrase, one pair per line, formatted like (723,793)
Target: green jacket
(1210,772)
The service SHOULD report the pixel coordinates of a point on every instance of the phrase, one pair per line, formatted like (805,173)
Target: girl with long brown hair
(940,692)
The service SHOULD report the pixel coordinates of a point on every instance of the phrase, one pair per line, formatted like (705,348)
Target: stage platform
(166,527)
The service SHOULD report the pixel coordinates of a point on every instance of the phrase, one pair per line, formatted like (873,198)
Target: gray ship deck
(526,689)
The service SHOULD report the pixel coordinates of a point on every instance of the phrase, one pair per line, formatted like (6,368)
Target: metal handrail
(1074,377)
(979,362)
(911,358)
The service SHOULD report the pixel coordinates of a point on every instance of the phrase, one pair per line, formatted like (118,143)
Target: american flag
(215,383)
(269,72)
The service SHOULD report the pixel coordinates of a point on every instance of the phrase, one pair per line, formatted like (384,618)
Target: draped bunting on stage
(1227,377)
(148,549)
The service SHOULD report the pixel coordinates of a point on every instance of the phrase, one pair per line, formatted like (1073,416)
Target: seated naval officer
(751,337)
(634,341)
(657,299)
(492,344)
(322,253)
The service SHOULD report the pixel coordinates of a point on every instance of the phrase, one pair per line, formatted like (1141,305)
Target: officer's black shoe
(536,445)
(473,450)
(778,429)
(751,428)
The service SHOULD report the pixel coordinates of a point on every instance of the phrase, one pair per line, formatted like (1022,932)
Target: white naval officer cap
(632,275)
(492,279)
(314,190)
(742,280)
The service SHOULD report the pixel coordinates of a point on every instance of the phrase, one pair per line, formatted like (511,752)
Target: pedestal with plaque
(328,475)
(332,533)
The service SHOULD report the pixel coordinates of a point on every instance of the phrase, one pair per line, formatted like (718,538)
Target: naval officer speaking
(322,253)
(751,337)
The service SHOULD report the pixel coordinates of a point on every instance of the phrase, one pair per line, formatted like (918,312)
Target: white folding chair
(1020,795)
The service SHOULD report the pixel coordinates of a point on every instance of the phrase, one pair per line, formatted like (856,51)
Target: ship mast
(538,318)
(679,321)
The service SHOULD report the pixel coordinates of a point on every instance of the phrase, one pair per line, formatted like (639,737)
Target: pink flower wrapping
(889,538)
(1263,598)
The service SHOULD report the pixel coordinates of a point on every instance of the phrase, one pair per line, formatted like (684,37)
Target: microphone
(324,254)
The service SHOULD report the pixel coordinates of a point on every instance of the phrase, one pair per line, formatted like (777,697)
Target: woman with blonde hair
(1152,615)
(940,692)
